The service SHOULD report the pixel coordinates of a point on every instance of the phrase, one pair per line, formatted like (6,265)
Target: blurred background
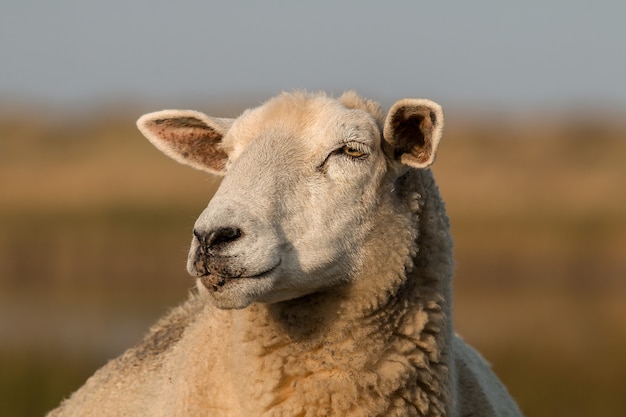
(95,222)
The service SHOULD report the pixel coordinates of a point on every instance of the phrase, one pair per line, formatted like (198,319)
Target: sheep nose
(217,237)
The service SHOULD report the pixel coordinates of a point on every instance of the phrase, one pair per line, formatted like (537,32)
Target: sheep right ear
(189,137)
(412,132)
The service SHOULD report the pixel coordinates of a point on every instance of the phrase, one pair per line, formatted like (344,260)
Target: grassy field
(95,223)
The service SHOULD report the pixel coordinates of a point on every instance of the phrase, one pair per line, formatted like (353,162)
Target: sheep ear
(189,137)
(412,131)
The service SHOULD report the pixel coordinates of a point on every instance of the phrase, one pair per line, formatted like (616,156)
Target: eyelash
(344,151)
(353,151)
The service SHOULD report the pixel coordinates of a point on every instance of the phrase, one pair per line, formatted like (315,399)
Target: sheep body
(377,341)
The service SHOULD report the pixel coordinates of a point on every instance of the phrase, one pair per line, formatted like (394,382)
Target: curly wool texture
(382,345)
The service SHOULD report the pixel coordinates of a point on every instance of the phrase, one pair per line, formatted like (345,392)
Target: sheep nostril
(217,237)
(223,235)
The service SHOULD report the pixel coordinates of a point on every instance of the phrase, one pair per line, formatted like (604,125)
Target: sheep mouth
(218,283)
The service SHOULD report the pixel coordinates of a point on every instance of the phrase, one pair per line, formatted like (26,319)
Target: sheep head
(306,180)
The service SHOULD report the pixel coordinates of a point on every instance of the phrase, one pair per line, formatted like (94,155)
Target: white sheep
(324,266)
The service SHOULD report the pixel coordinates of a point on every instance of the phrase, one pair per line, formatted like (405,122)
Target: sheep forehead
(317,122)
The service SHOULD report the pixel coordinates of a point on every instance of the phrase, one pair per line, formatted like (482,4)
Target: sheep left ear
(412,132)
(189,137)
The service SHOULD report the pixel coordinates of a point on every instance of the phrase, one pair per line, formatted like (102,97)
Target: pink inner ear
(186,138)
(181,122)
(412,129)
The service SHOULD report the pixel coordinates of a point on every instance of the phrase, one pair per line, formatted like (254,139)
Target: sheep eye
(352,152)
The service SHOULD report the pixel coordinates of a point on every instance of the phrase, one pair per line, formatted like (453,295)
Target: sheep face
(306,179)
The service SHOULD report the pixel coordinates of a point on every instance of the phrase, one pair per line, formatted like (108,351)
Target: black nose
(217,237)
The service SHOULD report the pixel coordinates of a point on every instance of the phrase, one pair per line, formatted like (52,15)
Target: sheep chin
(213,282)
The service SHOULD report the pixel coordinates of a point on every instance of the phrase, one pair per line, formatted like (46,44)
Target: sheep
(323,266)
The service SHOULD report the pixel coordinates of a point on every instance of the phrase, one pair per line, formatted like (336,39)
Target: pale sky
(516,54)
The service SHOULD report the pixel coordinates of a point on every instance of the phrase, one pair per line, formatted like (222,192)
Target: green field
(95,223)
